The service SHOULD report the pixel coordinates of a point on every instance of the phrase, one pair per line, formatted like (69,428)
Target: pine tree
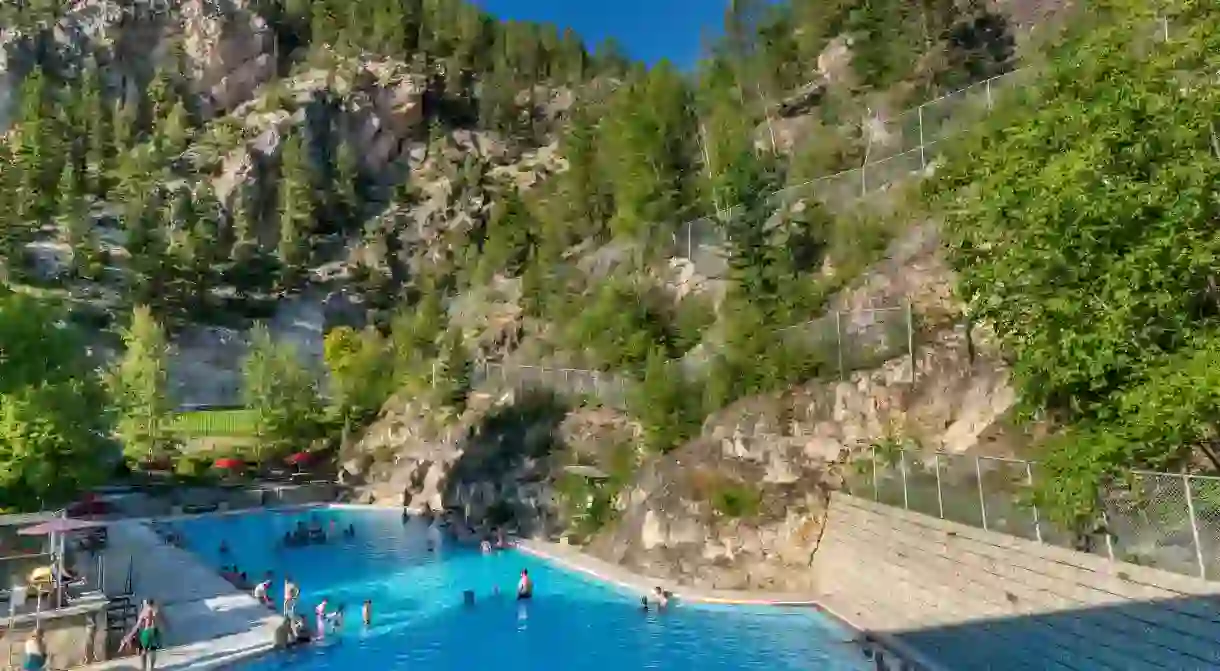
(510,237)
(648,148)
(12,225)
(346,190)
(295,211)
(172,132)
(39,154)
(146,247)
(139,383)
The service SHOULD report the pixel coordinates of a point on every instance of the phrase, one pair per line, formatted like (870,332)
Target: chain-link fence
(855,339)
(1162,520)
(860,339)
(899,147)
(609,388)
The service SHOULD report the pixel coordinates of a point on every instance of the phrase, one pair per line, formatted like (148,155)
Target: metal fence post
(876,490)
(911,338)
(902,469)
(978,474)
(839,341)
(1165,29)
(987,85)
(1194,527)
(1105,527)
(923,160)
(940,499)
(1029,480)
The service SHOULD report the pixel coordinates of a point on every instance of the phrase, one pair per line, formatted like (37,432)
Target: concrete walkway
(208,622)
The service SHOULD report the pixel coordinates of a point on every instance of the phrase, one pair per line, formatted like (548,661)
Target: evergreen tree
(294,211)
(13,228)
(346,190)
(648,149)
(139,385)
(282,393)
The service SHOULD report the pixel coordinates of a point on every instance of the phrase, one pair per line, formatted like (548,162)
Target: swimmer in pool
(525,586)
(366,613)
(319,612)
(262,591)
(661,597)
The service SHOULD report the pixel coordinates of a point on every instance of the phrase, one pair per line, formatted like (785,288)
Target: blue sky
(648,30)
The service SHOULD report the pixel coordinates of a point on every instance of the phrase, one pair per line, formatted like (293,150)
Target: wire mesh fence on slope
(1162,520)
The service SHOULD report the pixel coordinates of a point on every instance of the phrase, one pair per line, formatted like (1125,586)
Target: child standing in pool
(366,613)
(291,593)
(320,615)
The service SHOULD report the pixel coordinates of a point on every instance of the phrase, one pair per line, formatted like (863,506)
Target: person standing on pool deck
(291,592)
(525,586)
(35,651)
(148,632)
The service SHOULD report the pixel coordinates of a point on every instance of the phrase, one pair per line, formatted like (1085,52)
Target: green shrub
(736,500)
(194,467)
(668,404)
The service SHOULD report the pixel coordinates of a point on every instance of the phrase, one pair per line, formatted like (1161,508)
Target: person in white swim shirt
(261,591)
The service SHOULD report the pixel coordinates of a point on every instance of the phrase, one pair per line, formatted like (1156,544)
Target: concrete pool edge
(573,559)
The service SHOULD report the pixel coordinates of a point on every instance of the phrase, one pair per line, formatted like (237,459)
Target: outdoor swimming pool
(420,621)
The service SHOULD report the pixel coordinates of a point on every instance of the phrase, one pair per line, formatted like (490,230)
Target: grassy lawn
(235,423)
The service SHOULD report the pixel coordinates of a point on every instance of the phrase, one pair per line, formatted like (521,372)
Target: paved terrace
(208,622)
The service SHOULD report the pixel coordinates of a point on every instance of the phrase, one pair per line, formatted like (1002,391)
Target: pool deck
(208,622)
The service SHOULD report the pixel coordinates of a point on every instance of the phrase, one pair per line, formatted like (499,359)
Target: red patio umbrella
(298,459)
(229,463)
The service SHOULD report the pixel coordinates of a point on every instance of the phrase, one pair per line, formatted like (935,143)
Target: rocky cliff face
(741,505)
(250,97)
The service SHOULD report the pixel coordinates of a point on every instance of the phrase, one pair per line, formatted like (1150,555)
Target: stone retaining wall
(973,599)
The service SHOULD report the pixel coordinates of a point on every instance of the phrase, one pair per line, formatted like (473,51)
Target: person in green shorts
(147,631)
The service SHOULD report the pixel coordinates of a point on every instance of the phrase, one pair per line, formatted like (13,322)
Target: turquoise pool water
(420,621)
